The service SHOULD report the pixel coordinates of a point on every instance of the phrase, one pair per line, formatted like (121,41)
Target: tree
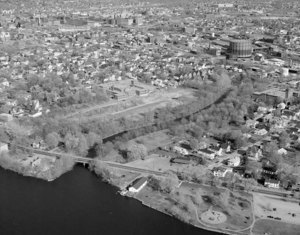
(284,139)
(136,151)
(92,139)
(270,148)
(52,139)
(71,142)
(82,147)
(101,169)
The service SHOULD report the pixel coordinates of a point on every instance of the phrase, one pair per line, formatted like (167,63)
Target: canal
(78,203)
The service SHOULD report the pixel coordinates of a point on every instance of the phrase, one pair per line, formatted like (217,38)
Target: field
(156,163)
(267,226)
(265,206)
(134,106)
(234,205)
(189,202)
(154,140)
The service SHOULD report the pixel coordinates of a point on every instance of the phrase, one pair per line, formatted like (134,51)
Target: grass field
(276,207)
(154,140)
(266,226)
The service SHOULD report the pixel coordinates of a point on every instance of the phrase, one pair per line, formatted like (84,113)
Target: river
(78,203)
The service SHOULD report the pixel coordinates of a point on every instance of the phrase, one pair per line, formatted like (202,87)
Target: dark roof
(138,183)
(216,148)
(252,141)
(206,151)
(180,160)
(288,113)
(272,181)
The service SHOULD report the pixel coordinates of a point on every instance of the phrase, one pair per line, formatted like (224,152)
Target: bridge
(85,160)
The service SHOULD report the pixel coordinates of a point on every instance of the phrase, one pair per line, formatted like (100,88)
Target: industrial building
(240,48)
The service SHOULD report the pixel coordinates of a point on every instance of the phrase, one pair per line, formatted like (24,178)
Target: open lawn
(235,206)
(121,178)
(156,163)
(265,206)
(133,106)
(154,140)
(273,227)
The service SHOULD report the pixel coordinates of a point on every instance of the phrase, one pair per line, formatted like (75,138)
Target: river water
(78,203)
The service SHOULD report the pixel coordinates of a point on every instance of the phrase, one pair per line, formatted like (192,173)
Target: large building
(138,185)
(240,48)
(276,95)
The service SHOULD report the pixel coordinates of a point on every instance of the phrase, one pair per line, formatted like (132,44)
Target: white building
(138,185)
(181,150)
(235,161)
(272,183)
(207,153)
(3,147)
(221,171)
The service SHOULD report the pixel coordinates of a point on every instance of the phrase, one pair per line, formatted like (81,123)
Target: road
(84,111)
(85,160)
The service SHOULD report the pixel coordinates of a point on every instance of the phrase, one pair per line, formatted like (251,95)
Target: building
(180,160)
(240,48)
(178,149)
(270,183)
(221,171)
(217,150)
(138,185)
(224,5)
(3,147)
(235,161)
(207,153)
(273,96)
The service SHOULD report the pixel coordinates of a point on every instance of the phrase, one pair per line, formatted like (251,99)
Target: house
(207,153)
(261,132)
(3,147)
(181,150)
(251,123)
(180,160)
(216,149)
(138,185)
(221,171)
(4,117)
(282,151)
(235,161)
(271,183)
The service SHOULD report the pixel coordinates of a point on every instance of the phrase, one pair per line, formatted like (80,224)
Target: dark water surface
(78,203)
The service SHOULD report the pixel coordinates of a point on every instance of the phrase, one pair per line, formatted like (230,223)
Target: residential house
(235,161)
(180,160)
(216,149)
(282,151)
(3,147)
(207,153)
(271,183)
(221,171)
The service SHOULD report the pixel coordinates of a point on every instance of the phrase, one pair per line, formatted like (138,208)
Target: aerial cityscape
(189,109)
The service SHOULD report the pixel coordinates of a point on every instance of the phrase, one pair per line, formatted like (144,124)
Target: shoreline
(219,231)
(147,204)
(29,172)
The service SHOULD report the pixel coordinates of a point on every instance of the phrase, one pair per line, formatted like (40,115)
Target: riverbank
(185,208)
(150,202)
(36,166)
(78,203)
(185,202)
